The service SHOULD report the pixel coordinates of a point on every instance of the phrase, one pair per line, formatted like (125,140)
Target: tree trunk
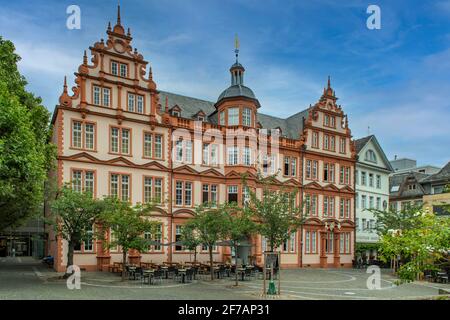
(124,260)
(195,255)
(235,266)
(211,264)
(69,257)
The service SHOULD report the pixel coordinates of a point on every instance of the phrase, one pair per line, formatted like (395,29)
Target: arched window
(370,156)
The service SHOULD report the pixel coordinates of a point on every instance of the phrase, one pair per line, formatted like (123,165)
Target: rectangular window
(148,189)
(187,193)
(120,186)
(328,172)
(222,118)
(158,146)
(213,197)
(247,117)
(329,243)
(246,156)
(89,136)
(178,232)
(342,243)
(307,242)
(120,140)
(313,242)
(364,201)
(325,206)
(308,169)
(293,167)
(106,97)
(315,139)
(326,142)
(183,151)
(232,194)
(88,242)
(96,98)
(371,202)
(356,176)
(347,208)
(148,145)
(114,68)
(114,186)
(378,181)
(125,142)
(370,179)
(77,181)
(246,196)
(140,104)
(89,182)
(342,146)
(357,200)
(232,156)
(205,194)
(123,70)
(378,206)
(363,178)
(115,140)
(131,102)
(233,116)
(347,175)
(347,242)
(83,135)
(125,188)
(76,134)
(342,208)
(332,143)
(179,193)
(315,169)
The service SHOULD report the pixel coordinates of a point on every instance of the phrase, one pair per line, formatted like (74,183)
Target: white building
(372,188)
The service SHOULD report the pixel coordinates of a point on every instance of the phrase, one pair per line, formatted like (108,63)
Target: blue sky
(395,80)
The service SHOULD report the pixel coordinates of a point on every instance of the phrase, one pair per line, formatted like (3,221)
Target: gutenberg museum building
(117,134)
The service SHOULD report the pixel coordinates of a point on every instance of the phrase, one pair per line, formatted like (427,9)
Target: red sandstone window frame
(118,69)
(209,193)
(83,177)
(153,134)
(312,245)
(315,143)
(83,134)
(94,245)
(332,121)
(289,242)
(119,187)
(290,166)
(130,141)
(347,250)
(136,94)
(101,95)
(153,178)
(183,194)
(316,207)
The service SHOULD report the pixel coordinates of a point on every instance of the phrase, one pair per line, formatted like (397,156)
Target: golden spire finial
(236,46)
(65,84)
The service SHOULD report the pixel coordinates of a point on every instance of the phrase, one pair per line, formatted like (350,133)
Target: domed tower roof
(237,88)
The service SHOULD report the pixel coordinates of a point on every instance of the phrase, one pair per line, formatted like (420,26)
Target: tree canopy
(25,152)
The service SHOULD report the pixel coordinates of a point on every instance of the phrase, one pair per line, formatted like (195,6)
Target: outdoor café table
(241,271)
(182,272)
(149,273)
(165,269)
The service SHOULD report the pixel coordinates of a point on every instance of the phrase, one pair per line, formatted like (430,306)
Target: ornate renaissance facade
(118,135)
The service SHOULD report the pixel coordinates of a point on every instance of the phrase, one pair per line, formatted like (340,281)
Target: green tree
(209,225)
(72,215)
(404,219)
(276,212)
(239,225)
(420,247)
(128,224)
(26,154)
(190,239)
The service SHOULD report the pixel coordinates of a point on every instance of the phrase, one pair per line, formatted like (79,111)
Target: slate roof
(360,143)
(403,180)
(443,175)
(290,127)
(237,90)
